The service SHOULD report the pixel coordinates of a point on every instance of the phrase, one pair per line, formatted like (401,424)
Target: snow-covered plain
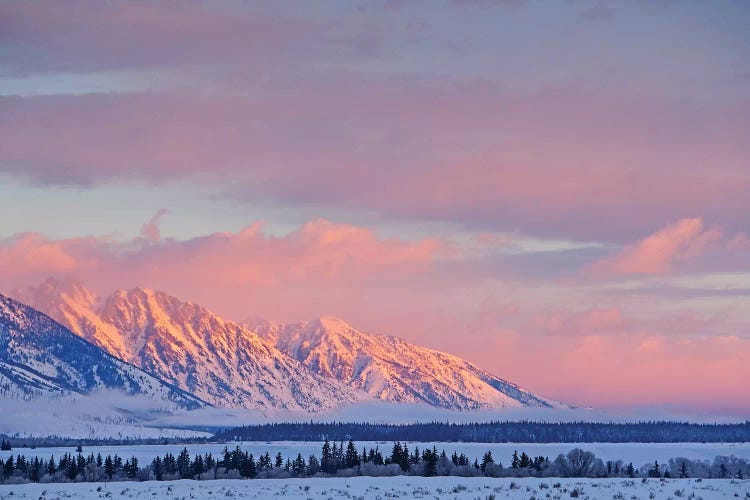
(637,453)
(392,487)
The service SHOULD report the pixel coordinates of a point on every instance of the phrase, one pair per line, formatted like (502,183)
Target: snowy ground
(392,487)
(637,453)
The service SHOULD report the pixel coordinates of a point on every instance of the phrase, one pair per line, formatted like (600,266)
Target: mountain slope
(391,369)
(217,360)
(40,357)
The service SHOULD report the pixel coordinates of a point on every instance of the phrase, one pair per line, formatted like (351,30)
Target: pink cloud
(665,250)
(620,363)
(600,355)
(150,230)
(595,321)
(243,272)
(472,154)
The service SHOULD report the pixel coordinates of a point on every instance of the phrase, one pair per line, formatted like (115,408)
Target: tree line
(496,432)
(345,460)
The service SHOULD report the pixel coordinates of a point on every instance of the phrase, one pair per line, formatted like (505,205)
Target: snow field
(404,487)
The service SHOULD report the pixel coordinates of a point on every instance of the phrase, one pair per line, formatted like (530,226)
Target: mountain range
(40,357)
(307,366)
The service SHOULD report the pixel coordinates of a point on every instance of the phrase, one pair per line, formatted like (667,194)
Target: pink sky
(555,191)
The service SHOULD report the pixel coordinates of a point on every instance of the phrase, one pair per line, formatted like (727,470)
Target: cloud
(150,230)
(605,357)
(86,35)
(474,155)
(674,246)
(242,272)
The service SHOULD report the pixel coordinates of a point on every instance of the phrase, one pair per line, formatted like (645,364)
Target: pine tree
(631,470)
(51,469)
(515,462)
(8,467)
(298,467)
(183,464)
(198,467)
(156,466)
(351,458)
(430,463)
(247,466)
(109,467)
(279,463)
(486,460)
(313,465)
(326,459)
(72,470)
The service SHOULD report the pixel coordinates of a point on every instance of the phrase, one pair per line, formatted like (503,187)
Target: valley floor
(393,487)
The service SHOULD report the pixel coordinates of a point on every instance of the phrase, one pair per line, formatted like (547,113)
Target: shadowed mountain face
(217,360)
(391,369)
(307,366)
(40,357)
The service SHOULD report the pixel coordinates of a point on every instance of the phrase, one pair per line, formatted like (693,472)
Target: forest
(496,432)
(346,460)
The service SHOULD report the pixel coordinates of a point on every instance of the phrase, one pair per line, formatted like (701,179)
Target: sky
(558,191)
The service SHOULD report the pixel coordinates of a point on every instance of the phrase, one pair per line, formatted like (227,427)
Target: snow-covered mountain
(308,366)
(391,369)
(217,360)
(39,357)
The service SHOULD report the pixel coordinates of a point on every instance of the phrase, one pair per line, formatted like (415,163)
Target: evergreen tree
(351,458)
(631,470)
(279,463)
(198,467)
(156,466)
(72,470)
(313,465)
(430,463)
(655,471)
(515,462)
(8,467)
(486,460)
(109,467)
(326,459)
(248,467)
(183,464)
(298,467)
(51,469)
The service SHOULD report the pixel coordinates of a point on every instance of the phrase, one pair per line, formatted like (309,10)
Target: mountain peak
(40,357)
(219,361)
(391,369)
(55,288)
(332,324)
